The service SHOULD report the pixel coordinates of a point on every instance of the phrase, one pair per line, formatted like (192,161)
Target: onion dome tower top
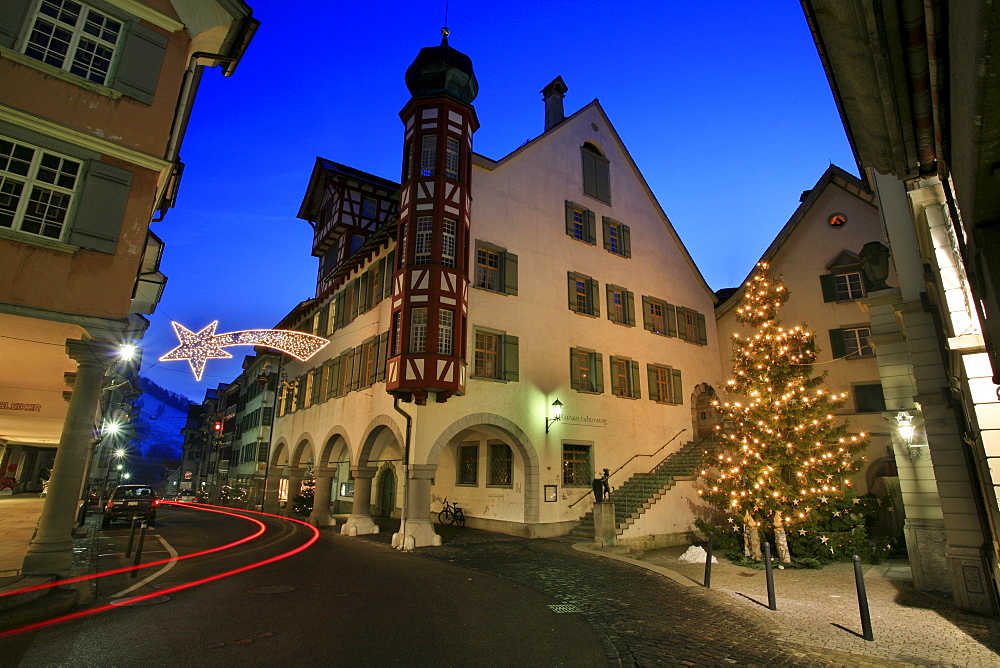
(441,70)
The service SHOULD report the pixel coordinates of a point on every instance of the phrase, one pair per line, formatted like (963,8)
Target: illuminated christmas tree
(784,458)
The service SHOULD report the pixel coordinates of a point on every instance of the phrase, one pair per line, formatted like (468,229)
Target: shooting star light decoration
(198,347)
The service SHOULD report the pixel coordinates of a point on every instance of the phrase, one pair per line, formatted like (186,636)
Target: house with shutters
(95,99)
(501,330)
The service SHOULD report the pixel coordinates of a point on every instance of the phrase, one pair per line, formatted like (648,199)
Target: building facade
(95,99)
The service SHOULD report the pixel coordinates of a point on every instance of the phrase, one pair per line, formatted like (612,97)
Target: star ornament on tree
(199,347)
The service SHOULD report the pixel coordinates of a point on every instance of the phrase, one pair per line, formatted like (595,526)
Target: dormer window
(845,281)
(596,179)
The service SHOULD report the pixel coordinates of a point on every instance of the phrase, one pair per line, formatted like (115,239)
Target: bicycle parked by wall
(451,514)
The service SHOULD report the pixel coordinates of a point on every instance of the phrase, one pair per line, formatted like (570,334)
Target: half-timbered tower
(431,279)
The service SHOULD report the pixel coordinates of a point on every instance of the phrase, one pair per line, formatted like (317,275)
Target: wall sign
(18,406)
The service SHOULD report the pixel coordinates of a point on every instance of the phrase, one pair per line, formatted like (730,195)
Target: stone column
(51,550)
(360,522)
(271,489)
(320,515)
(294,476)
(604,524)
(416,528)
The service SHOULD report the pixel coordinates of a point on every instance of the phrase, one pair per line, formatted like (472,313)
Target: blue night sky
(725,109)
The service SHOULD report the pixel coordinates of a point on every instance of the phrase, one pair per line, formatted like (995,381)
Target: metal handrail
(586,494)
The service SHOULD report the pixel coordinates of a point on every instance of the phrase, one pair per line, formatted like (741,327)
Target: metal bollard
(769,572)
(708,563)
(138,550)
(131,537)
(859,581)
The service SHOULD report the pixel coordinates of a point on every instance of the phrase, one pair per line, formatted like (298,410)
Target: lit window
(36,189)
(664,389)
(576,465)
(579,226)
(422,241)
(583,294)
(418,330)
(446,324)
(487,269)
(624,377)
(448,242)
(487,355)
(500,464)
(585,371)
(451,159)
(74,38)
(428,155)
(659,324)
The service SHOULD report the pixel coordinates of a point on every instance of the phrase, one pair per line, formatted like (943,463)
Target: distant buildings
(93,108)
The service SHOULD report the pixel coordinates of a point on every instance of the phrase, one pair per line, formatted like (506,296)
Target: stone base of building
(418,533)
(359,525)
(926,542)
(970,580)
(321,519)
(659,541)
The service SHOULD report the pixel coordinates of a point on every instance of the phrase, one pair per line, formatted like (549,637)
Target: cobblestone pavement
(642,617)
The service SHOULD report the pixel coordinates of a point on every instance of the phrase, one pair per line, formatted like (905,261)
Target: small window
(869,398)
(468,464)
(849,286)
(659,317)
(856,341)
(74,38)
(451,159)
(583,297)
(500,464)
(665,384)
(422,245)
(446,328)
(496,269)
(625,377)
(621,306)
(495,356)
(596,173)
(369,207)
(617,237)
(691,326)
(356,242)
(448,242)
(428,155)
(418,330)
(37,189)
(581,223)
(576,465)
(586,374)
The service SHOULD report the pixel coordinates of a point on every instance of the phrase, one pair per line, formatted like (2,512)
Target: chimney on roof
(552,95)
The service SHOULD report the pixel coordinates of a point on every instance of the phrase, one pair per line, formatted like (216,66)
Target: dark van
(130,501)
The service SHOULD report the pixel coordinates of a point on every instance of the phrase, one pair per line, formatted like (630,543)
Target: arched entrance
(386,500)
(704,416)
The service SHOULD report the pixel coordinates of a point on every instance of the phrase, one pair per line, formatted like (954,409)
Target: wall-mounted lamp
(556,414)
(904,422)
(127,351)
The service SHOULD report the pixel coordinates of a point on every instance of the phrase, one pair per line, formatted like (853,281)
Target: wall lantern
(127,351)
(904,422)
(556,414)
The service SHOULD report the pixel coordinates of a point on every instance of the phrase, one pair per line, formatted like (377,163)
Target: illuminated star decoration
(198,347)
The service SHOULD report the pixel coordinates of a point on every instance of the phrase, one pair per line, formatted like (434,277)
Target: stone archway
(380,433)
(704,416)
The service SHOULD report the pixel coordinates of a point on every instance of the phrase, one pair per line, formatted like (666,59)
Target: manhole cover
(563,607)
(145,601)
(274,589)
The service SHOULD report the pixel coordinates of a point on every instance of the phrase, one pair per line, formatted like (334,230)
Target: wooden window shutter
(634,379)
(12,16)
(626,241)
(614,376)
(598,371)
(510,358)
(346,369)
(390,269)
(383,353)
(654,389)
(378,276)
(509,273)
(589,173)
(358,365)
(140,63)
(678,387)
(671,314)
(609,295)
(603,173)
(101,208)
(355,288)
(338,313)
(829,284)
(324,321)
(574,377)
(838,346)
(593,294)
(647,313)
(630,307)
(571,277)
(570,208)
(591,228)
(606,232)
(333,378)
(702,331)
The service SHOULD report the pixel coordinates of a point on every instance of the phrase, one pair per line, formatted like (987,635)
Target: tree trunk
(781,540)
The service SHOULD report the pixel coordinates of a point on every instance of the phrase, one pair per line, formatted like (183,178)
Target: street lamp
(556,414)
(907,428)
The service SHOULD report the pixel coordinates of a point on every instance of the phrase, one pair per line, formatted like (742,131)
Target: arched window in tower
(428,154)
(596,177)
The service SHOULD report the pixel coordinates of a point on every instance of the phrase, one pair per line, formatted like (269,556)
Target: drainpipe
(406,473)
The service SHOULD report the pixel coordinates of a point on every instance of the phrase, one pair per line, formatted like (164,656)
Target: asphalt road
(341,601)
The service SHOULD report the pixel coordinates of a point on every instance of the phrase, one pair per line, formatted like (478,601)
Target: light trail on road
(163,592)
(81,578)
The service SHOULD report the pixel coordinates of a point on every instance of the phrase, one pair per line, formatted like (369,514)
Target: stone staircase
(637,494)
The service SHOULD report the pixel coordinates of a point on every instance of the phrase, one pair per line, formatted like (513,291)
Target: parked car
(187,497)
(131,501)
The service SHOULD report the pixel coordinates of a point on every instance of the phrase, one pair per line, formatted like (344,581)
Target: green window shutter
(390,269)
(510,358)
(654,389)
(12,16)
(609,298)
(605,225)
(356,369)
(383,352)
(365,292)
(355,288)
(589,173)
(626,241)
(829,285)
(570,207)
(634,379)
(702,331)
(614,376)
(671,314)
(838,346)
(678,387)
(593,288)
(510,273)
(99,215)
(338,316)
(630,307)
(378,276)
(647,313)
(574,380)
(591,228)
(324,321)
(140,63)
(599,372)
(346,369)
(571,277)
(334,384)
(602,169)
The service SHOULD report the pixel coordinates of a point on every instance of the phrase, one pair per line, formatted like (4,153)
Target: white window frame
(850,286)
(422,240)
(856,342)
(35,191)
(82,46)
(418,330)
(451,157)
(446,330)
(449,234)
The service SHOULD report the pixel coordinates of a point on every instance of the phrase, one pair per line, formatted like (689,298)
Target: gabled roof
(833,177)
(309,210)
(490,165)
